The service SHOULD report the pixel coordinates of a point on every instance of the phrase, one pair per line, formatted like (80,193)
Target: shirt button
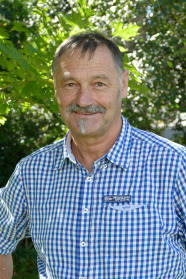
(83,244)
(85,210)
(89,179)
(105,166)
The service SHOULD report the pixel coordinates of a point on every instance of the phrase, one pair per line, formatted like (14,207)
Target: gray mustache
(88,109)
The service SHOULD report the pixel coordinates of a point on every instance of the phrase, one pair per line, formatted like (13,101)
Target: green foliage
(30,64)
(150,34)
(160,50)
(25,131)
(25,261)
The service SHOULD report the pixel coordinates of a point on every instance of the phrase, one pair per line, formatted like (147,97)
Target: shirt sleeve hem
(6,252)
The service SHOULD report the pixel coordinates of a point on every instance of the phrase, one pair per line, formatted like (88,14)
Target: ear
(125,83)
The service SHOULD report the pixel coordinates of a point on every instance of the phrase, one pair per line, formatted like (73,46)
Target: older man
(108,201)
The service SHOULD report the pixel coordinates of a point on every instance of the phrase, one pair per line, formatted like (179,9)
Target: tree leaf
(125,32)
(2,120)
(4,108)
(20,27)
(30,89)
(3,33)
(4,48)
(16,55)
(139,87)
(13,53)
(122,49)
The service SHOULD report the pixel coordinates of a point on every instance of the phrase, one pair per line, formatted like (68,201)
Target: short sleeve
(180,197)
(13,214)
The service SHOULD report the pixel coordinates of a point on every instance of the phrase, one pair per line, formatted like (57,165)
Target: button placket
(85,219)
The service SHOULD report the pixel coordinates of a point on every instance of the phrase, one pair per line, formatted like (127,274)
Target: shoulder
(162,155)
(45,154)
(157,142)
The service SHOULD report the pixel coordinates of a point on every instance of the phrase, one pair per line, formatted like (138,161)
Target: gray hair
(88,41)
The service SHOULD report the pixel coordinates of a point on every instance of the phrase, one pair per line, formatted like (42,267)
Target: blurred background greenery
(151,36)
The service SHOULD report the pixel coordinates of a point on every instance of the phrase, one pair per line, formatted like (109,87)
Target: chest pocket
(130,230)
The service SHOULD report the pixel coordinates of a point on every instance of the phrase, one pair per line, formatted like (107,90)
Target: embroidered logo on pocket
(118,199)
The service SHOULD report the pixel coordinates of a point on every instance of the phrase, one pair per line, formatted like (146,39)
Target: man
(109,200)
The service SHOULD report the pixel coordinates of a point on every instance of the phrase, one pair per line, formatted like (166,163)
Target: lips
(86,113)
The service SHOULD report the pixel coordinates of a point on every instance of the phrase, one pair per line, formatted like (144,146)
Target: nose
(84,97)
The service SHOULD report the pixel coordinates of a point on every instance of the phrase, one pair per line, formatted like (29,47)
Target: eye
(100,84)
(70,84)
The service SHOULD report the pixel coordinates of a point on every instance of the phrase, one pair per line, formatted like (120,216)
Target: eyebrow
(98,76)
(66,78)
(101,76)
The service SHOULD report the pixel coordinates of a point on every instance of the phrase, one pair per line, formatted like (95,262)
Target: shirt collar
(64,151)
(119,154)
(68,151)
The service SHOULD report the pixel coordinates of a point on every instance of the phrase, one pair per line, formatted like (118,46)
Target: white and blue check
(125,220)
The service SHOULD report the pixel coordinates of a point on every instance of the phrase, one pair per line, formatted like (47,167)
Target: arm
(13,222)
(6,266)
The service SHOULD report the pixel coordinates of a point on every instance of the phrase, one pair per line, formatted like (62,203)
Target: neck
(88,150)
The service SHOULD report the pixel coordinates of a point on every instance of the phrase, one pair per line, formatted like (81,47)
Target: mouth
(85,113)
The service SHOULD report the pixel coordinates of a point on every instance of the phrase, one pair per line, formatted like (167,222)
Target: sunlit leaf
(4,108)
(139,87)
(125,32)
(3,33)
(2,120)
(122,49)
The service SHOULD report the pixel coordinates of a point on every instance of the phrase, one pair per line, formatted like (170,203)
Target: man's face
(88,92)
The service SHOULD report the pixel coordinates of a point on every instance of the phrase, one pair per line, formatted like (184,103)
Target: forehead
(102,57)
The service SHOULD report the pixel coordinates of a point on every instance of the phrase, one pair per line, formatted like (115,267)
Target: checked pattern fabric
(125,220)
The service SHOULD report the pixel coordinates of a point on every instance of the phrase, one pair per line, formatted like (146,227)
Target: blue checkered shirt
(125,220)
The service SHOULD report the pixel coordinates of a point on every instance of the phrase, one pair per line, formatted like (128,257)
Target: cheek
(63,99)
(114,106)
(109,102)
